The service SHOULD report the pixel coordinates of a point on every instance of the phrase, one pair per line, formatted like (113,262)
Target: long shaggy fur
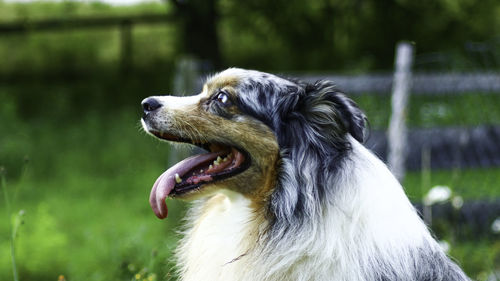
(335,213)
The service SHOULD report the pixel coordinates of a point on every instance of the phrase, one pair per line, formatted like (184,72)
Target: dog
(285,189)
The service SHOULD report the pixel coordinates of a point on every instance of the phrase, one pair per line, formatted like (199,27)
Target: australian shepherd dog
(285,189)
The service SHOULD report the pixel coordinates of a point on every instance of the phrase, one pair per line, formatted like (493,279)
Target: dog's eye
(223,98)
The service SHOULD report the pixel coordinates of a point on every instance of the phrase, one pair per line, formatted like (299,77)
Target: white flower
(444,245)
(438,193)
(495,226)
(457,202)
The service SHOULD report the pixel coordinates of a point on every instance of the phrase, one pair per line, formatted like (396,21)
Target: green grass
(477,258)
(88,229)
(470,183)
(85,194)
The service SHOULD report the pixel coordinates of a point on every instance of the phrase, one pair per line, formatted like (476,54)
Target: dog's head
(255,126)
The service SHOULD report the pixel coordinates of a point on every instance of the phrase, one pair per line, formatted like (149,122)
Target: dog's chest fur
(216,245)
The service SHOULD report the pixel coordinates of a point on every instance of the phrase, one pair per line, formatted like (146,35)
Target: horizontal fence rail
(80,23)
(428,83)
(449,147)
(124,23)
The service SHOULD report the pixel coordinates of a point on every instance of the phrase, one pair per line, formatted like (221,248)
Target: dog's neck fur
(370,231)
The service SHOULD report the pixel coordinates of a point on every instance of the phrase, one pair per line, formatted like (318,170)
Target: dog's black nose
(150,104)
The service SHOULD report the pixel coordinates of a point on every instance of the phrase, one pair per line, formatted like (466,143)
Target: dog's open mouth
(189,175)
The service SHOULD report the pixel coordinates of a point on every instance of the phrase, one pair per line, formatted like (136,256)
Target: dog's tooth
(217,161)
(201,171)
(177,178)
(210,167)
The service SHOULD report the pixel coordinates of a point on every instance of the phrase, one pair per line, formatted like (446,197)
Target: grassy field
(84,191)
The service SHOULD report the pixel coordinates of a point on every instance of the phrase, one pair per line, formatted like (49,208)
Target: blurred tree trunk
(198,25)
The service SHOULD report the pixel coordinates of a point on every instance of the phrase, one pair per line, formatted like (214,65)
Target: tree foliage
(343,34)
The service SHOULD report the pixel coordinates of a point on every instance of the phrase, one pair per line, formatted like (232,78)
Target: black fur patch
(428,265)
(311,123)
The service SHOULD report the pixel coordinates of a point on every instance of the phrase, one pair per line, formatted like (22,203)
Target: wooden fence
(124,23)
(422,83)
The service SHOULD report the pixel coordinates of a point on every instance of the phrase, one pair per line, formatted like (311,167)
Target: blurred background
(76,170)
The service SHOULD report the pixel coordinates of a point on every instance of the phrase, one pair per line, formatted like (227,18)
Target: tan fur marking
(220,82)
(258,140)
(260,197)
(194,121)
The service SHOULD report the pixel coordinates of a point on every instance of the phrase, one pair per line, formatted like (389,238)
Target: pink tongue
(166,182)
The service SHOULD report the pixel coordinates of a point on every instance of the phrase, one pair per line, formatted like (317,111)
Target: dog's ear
(354,119)
(323,101)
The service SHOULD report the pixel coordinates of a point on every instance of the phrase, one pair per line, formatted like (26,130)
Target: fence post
(425,173)
(397,132)
(187,74)
(186,77)
(126,45)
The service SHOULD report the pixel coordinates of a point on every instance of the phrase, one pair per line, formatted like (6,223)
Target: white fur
(177,103)
(217,236)
(370,220)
